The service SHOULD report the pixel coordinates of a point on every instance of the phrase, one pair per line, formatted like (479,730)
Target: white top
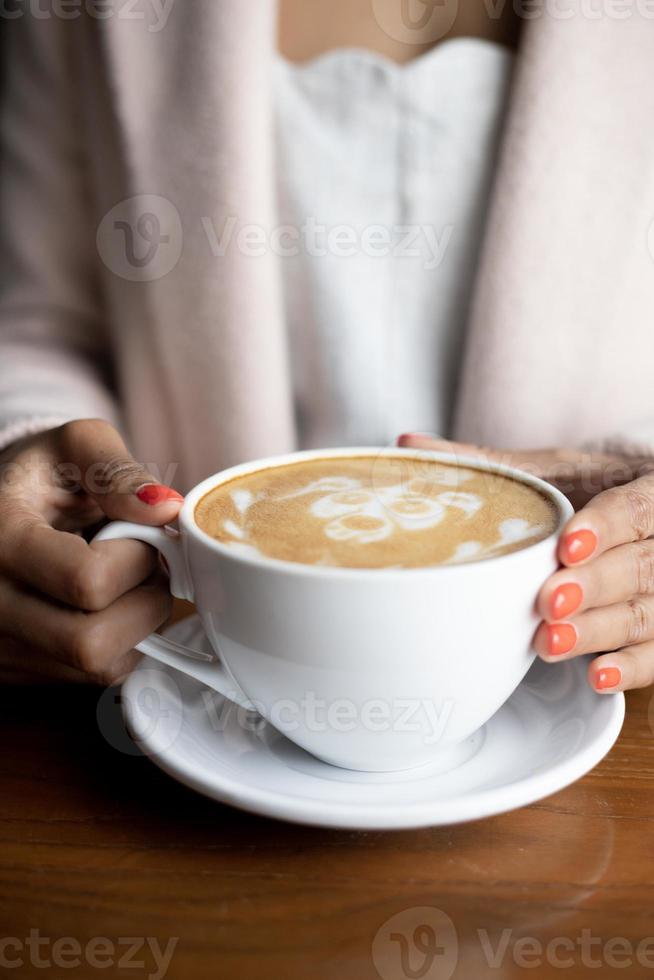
(383,179)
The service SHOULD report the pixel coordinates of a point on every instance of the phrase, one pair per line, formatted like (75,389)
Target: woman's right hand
(64,601)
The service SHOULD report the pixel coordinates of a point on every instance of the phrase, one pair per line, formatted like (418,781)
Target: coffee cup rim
(189,525)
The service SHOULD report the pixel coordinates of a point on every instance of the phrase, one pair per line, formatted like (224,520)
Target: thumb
(122,488)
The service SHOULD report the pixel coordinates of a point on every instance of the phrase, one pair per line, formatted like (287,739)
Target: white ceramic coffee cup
(381,669)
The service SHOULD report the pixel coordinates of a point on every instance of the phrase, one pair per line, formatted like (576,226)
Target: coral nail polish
(578,546)
(565,600)
(561,638)
(607,677)
(155,493)
(407,436)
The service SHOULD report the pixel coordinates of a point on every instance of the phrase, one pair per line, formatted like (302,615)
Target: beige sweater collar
(559,344)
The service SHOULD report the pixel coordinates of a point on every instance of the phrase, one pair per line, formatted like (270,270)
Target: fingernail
(561,638)
(607,677)
(578,546)
(566,600)
(155,493)
(416,435)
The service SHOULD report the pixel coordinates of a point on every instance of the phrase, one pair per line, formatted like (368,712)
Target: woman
(166,292)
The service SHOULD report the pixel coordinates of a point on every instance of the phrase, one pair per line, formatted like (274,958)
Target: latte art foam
(375,512)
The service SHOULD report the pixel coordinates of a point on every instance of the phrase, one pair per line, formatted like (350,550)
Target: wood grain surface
(98,845)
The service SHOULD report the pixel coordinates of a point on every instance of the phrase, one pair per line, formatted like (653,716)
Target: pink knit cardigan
(192,362)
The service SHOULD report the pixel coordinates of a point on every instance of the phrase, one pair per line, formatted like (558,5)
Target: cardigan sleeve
(55,359)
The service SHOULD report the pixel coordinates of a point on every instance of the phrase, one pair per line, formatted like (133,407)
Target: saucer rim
(462,808)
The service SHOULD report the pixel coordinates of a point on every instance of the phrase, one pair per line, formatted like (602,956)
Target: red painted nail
(578,546)
(155,493)
(608,677)
(566,600)
(561,638)
(415,435)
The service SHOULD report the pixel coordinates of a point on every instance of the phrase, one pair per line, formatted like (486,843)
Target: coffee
(375,512)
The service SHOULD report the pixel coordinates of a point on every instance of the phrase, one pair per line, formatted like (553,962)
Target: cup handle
(204,667)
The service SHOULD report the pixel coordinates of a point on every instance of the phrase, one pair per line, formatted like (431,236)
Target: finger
(615,516)
(23,664)
(608,628)
(96,643)
(623,670)
(614,577)
(423,440)
(537,462)
(122,488)
(66,567)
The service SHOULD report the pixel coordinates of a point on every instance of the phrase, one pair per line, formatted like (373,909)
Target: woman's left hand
(602,598)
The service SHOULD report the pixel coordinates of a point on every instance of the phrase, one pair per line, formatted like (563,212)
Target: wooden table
(97,843)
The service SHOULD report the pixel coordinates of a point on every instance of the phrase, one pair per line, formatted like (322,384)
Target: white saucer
(551,731)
